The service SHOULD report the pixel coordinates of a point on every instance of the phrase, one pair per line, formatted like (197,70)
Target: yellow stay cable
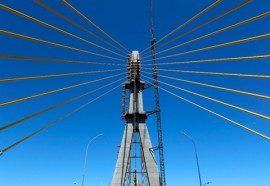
(212,60)
(76,24)
(56,28)
(187,22)
(57,60)
(214,113)
(56,90)
(214,86)
(55,44)
(89,21)
(216,32)
(57,120)
(56,106)
(57,75)
(215,73)
(215,100)
(204,24)
(216,46)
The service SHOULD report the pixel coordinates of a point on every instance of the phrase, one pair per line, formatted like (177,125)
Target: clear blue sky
(228,155)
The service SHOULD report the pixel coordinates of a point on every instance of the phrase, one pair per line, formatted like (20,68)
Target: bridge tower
(136,159)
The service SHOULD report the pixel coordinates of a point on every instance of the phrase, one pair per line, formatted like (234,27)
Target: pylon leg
(123,157)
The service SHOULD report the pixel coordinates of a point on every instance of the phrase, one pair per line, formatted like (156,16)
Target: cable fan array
(104,73)
(184,66)
(180,74)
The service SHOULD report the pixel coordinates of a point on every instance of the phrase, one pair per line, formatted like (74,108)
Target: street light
(85,157)
(183,133)
(75,183)
(207,183)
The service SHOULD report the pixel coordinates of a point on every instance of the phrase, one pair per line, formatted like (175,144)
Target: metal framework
(158,117)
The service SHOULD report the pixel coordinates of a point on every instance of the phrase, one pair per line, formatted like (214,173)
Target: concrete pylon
(135,134)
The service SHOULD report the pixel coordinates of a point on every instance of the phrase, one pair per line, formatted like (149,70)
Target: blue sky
(228,155)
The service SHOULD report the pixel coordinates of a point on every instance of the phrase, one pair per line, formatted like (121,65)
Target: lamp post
(207,183)
(184,134)
(85,157)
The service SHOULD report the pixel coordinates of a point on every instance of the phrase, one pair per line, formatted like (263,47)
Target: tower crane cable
(57,120)
(76,24)
(3,56)
(56,28)
(56,106)
(93,24)
(56,90)
(158,116)
(187,22)
(215,113)
(56,44)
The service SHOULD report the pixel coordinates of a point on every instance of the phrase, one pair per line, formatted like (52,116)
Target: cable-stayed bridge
(56,61)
